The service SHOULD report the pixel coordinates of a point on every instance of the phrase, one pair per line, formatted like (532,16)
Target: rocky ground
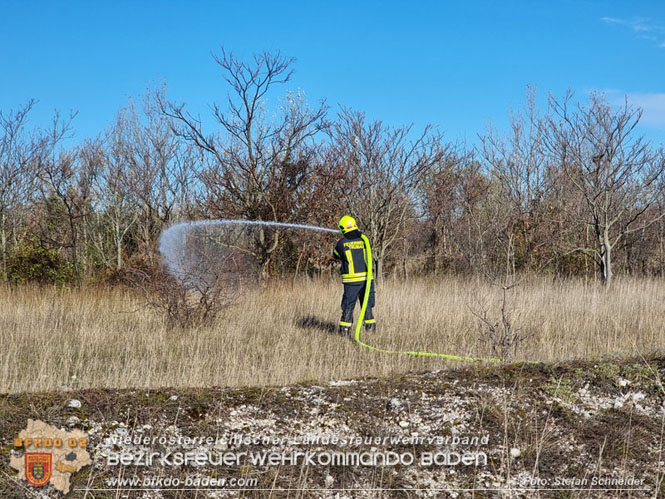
(576,429)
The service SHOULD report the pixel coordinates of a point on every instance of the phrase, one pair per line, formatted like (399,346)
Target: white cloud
(642,27)
(652,104)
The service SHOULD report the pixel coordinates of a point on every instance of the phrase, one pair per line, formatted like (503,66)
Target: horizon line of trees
(573,190)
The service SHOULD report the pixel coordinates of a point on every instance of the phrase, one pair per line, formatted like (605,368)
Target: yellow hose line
(368,285)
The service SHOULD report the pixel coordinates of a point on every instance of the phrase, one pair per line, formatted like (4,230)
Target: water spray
(172,240)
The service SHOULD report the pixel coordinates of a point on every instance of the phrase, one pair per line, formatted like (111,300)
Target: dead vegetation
(63,339)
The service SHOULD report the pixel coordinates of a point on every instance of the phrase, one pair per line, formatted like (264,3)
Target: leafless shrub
(189,303)
(194,290)
(502,332)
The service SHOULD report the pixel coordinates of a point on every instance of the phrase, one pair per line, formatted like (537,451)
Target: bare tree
(614,171)
(256,166)
(66,177)
(19,154)
(441,199)
(516,164)
(115,208)
(161,170)
(382,170)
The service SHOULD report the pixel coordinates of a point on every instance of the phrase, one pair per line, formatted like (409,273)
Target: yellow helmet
(347,224)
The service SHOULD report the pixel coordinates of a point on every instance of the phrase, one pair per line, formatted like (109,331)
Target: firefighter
(351,251)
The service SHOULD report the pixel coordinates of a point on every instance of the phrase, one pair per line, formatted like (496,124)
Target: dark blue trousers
(353,292)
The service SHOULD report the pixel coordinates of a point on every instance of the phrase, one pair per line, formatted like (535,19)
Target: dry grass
(55,340)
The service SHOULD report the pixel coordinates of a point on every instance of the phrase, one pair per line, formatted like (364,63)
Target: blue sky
(456,65)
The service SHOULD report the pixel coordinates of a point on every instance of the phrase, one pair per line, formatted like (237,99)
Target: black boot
(344,331)
(370,327)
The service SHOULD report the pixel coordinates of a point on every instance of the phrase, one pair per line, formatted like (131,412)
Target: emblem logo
(38,468)
(50,455)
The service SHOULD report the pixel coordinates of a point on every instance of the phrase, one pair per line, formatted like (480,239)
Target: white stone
(394,404)
(73,420)
(404,424)
(515,452)
(74,403)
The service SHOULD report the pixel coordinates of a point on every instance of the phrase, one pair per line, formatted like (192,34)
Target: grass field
(68,339)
